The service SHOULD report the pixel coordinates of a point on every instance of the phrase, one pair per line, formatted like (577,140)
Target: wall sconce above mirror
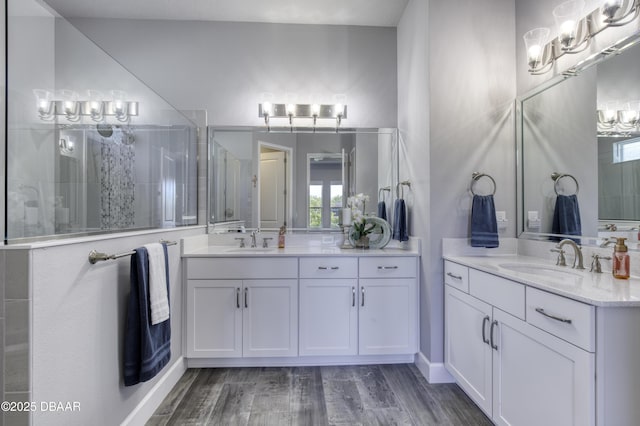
(575,31)
(70,104)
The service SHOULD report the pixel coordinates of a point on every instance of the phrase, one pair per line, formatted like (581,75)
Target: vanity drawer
(567,319)
(242,268)
(388,267)
(456,276)
(328,267)
(503,294)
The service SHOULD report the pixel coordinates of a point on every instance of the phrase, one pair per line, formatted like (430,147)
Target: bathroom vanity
(300,305)
(536,344)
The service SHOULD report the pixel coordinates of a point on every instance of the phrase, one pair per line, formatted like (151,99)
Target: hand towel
(484,226)
(566,216)
(400,221)
(147,348)
(382,210)
(158,297)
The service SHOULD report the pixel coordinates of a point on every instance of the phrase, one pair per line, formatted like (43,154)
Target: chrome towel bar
(95,256)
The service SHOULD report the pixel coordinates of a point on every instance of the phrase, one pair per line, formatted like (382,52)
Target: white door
(214,318)
(467,350)
(272,189)
(328,317)
(270,318)
(539,379)
(387,316)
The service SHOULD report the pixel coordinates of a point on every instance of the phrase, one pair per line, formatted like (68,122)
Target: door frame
(288,154)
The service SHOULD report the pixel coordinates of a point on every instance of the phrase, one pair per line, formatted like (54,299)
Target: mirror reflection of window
(315,205)
(336,203)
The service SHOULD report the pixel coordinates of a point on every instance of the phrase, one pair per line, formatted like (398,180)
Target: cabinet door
(270,318)
(328,317)
(466,351)
(540,379)
(387,316)
(214,319)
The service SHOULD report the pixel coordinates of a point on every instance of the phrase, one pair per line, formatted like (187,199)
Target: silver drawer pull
(553,317)
(353,297)
(324,268)
(457,277)
(387,267)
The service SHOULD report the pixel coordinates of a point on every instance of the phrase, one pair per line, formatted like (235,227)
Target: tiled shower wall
(15,319)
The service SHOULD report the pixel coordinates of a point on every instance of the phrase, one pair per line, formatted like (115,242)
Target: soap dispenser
(620,260)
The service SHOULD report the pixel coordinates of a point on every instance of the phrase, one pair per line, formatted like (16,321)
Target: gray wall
(225,67)
(468,95)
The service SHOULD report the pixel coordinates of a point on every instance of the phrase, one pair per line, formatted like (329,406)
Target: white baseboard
(152,400)
(301,361)
(434,372)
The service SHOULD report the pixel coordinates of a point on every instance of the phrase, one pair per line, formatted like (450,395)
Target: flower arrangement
(359,225)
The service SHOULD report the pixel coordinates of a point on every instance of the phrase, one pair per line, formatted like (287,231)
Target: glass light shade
(315,109)
(291,109)
(267,108)
(95,104)
(119,104)
(69,104)
(291,99)
(608,114)
(629,115)
(567,16)
(44,103)
(535,42)
(610,7)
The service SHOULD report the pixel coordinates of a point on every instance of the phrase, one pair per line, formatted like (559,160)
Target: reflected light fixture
(575,31)
(618,118)
(66,102)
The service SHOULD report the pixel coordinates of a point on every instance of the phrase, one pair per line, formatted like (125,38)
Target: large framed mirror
(579,136)
(297,178)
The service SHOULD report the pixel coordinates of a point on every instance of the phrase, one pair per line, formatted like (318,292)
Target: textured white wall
(224,67)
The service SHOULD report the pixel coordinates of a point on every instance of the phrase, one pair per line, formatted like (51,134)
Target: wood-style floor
(306,396)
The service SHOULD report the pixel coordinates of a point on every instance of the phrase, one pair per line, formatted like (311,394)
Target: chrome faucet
(576,250)
(253,237)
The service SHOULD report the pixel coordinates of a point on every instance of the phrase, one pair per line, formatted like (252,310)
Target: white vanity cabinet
(242,307)
(388,313)
(365,306)
(518,373)
(328,306)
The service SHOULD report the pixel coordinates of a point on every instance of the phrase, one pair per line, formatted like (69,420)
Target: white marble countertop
(584,286)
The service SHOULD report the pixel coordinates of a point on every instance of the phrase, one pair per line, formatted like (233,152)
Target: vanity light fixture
(618,118)
(575,31)
(66,102)
(289,111)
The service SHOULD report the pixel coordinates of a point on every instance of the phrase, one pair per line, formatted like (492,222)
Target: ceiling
(384,13)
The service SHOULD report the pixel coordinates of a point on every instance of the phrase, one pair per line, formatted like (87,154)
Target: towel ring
(476,176)
(382,191)
(556,179)
(401,185)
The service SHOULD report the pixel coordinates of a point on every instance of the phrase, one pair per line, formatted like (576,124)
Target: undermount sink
(252,250)
(538,269)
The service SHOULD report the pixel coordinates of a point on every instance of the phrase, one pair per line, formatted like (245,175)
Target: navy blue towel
(484,226)
(566,216)
(382,210)
(400,221)
(147,348)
